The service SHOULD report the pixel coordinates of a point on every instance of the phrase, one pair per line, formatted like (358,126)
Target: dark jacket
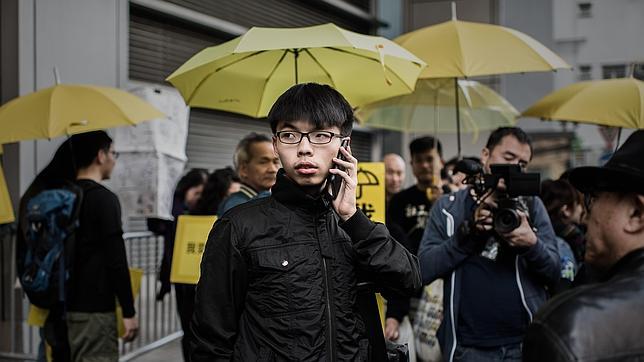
(100,268)
(440,256)
(278,280)
(596,322)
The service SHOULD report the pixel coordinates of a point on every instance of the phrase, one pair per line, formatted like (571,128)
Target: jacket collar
(630,262)
(288,192)
(247,190)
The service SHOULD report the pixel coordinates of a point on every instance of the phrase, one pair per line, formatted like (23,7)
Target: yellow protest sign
(370,193)
(135,280)
(189,243)
(6,209)
(37,316)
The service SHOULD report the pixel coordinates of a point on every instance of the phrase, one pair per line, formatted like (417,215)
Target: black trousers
(55,333)
(185,306)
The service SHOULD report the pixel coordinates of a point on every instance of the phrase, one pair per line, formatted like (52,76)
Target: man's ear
(275,147)
(635,223)
(242,171)
(485,154)
(101,157)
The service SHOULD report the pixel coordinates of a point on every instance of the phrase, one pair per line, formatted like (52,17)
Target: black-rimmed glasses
(315,137)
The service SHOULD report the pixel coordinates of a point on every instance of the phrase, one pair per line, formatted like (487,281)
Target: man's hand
(345,203)
(131,329)
(523,236)
(392,329)
(483,216)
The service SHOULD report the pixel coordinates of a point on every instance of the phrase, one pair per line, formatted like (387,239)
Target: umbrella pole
(296,53)
(458,120)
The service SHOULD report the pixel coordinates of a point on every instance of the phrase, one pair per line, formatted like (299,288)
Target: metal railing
(158,322)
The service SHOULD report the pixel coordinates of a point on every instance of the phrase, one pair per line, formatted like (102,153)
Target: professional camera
(510,200)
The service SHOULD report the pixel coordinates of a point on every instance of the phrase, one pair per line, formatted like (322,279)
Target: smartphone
(334,182)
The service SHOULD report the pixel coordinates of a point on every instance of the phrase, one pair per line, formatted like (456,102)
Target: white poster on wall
(152,156)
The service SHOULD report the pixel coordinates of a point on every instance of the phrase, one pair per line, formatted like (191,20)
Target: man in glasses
(602,321)
(279,274)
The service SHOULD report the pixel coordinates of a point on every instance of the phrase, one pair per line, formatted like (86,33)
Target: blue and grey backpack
(51,220)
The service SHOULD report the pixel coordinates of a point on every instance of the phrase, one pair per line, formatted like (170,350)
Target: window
(585,72)
(614,71)
(585,10)
(638,71)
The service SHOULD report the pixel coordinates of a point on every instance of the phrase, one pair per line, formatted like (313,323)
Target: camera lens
(506,220)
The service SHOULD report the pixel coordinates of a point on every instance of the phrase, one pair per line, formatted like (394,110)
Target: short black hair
(497,136)
(85,147)
(215,190)
(194,177)
(319,104)
(422,144)
(557,193)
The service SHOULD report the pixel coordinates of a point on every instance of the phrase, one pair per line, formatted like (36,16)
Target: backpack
(51,220)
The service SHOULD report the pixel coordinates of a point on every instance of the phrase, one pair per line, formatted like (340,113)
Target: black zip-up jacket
(278,280)
(596,322)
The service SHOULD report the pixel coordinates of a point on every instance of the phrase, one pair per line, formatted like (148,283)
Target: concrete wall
(612,34)
(86,40)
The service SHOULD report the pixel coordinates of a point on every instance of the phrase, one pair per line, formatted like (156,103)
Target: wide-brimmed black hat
(624,172)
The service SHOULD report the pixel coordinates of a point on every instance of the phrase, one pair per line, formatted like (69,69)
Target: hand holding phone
(334,182)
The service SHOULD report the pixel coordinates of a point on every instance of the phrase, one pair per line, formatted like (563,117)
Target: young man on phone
(279,274)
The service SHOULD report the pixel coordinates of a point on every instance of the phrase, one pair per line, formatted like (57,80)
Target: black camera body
(518,184)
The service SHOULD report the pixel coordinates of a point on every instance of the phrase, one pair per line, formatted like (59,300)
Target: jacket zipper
(523,300)
(330,321)
(449,224)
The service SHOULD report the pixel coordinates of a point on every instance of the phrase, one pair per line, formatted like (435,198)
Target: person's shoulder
(453,199)
(404,195)
(245,210)
(96,192)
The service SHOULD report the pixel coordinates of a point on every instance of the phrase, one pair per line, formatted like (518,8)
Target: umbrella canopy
(609,102)
(430,108)
(465,49)
(247,74)
(69,109)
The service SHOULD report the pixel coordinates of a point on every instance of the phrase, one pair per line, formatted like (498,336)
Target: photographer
(494,275)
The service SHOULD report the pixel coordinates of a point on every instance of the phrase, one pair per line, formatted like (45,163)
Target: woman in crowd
(186,196)
(220,184)
(565,208)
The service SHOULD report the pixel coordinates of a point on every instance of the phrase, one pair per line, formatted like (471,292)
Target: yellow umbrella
(69,109)
(465,49)
(609,102)
(6,209)
(458,49)
(247,74)
(430,108)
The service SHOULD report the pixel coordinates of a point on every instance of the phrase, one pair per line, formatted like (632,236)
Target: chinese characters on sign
(370,193)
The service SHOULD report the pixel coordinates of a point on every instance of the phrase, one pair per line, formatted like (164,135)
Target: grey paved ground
(170,352)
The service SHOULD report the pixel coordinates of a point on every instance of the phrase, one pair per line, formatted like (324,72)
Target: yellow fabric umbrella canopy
(69,109)
(430,109)
(247,74)
(466,49)
(609,102)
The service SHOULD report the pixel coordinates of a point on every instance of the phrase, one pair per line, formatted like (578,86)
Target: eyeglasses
(315,137)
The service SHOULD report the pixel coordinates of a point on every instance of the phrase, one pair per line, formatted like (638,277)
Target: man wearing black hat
(602,321)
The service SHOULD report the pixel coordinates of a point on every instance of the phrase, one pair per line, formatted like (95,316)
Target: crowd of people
(282,264)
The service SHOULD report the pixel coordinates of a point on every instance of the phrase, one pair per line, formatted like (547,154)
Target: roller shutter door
(213,136)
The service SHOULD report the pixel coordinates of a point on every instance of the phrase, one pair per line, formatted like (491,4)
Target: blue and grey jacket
(440,257)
